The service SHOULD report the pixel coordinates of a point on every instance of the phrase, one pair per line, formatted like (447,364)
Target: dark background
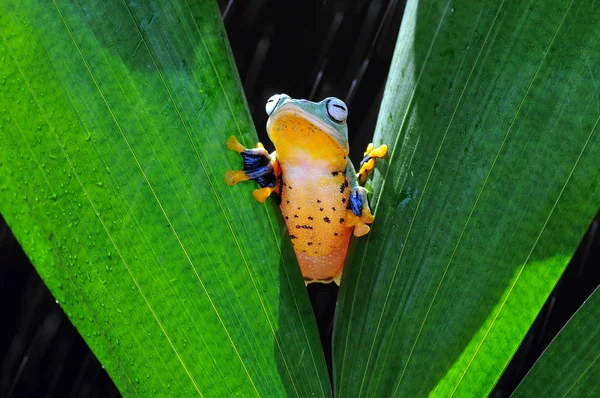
(314,50)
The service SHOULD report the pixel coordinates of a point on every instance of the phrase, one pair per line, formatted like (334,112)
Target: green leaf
(570,365)
(113,121)
(491,110)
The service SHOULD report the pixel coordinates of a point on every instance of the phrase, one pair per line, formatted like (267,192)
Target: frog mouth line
(288,109)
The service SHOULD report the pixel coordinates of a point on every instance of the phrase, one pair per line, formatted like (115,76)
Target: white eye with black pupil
(273,101)
(337,110)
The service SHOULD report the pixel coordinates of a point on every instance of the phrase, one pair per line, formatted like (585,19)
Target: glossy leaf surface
(113,121)
(570,366)
(491,110)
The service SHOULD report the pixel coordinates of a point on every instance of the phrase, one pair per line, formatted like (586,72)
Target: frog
(322,198)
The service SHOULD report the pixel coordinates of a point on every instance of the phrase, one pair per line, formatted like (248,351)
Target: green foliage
(113,118)
(569,367)
(492,112)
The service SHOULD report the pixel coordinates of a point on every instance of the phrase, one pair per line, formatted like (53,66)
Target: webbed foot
(261,195)
(259,166)
(368,163)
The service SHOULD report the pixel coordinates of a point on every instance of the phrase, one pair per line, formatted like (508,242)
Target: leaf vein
(95,210)
(581,376)
(67,269)
(485,182)
(526,260)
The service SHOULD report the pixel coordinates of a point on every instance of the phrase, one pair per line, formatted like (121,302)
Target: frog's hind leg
(259,166)
(368,163)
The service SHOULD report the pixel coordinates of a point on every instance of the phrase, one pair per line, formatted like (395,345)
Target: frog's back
(313,202)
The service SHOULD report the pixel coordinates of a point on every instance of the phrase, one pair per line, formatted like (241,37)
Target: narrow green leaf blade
(491,111)
(570,366)
(113,121)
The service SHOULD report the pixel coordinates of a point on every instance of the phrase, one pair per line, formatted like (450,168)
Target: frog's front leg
(259,166)
(359,213)
(368,163)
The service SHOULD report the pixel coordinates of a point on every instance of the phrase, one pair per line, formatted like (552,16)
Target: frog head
(299,126)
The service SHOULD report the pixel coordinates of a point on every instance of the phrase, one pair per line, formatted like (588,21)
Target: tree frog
(322,200)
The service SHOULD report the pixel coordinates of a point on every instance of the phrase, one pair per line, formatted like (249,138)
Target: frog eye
(337,110)
(273,101)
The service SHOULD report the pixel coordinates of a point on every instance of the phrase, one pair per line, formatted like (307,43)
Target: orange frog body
(322,201)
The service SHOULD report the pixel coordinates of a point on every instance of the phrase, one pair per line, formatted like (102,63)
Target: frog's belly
(314,208)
